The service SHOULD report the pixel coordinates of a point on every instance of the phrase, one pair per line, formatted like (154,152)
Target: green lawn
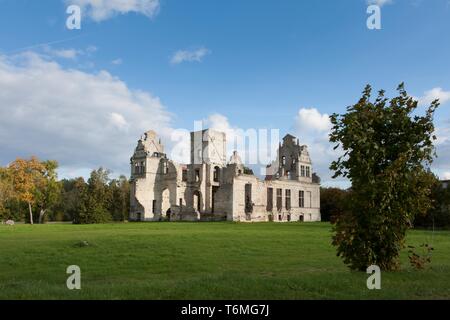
(202,261)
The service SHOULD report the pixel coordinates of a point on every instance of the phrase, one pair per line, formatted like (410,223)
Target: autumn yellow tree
(47,190)
(26,176)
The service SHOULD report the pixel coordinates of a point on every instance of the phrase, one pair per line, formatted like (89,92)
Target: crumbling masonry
(212,189)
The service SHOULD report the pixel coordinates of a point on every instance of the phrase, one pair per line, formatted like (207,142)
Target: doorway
(214,192)
(197,201)
(165,203)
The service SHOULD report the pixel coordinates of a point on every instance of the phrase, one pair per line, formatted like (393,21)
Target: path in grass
(202,261)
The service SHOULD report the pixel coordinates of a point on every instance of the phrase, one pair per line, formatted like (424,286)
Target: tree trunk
(41,215)
(31,213)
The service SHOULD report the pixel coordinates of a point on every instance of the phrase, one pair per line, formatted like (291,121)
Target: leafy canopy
(387,153)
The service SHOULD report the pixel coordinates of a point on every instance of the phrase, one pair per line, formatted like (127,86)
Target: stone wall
(213,190)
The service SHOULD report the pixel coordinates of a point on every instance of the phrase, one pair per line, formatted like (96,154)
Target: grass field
(202,261)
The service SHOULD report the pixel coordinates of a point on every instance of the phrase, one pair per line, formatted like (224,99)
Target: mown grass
(203,261)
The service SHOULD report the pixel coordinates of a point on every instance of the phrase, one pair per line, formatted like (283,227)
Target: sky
(84,97)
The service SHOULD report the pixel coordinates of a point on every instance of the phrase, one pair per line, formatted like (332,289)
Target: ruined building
(211,188)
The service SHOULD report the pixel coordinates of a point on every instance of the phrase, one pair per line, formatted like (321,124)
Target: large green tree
(119,205)
(333,203)
(95,198)
(76,197)
(71,200)
(387,151)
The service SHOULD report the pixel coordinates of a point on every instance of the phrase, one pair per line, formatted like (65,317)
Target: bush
(387,153)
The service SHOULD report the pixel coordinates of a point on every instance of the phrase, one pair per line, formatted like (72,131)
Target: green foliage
(333,203)
(48,190)
(5,192)
(78,197)
(119,205)
(94,197)
(248,171)
(33,185)
(30,182)
(386,154)
(14,210)
(438,217)
(71,200)
(97,201)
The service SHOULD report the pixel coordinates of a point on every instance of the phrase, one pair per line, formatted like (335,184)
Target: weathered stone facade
(212,189)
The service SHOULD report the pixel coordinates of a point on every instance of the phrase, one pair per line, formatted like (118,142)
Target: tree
(6,190)
(120,198)
(95,198)
(70,200)
(439,215)
(333,202)
(386,154)
(26,177)
(48,190)
(78,197)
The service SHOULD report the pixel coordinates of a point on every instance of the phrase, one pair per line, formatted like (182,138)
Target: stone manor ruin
(212,189)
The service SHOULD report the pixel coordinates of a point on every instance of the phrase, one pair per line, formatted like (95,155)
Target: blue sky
(259,63)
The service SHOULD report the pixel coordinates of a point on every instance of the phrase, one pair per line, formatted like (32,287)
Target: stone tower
(150,177)
(208,147)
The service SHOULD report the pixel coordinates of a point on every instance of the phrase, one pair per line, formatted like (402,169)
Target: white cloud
(246,142)
(68,53)
(83,120)
(433,94)
(442,161)
(218,122)
(442,135)
(446,175)
(196,55)
(65,53)
(117,62)
(91,49)
(119,121)
(312,119)
(379,3)
(313,129)
(100,10)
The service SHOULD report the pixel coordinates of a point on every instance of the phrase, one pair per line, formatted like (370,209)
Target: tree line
(334,202)
(31,192)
